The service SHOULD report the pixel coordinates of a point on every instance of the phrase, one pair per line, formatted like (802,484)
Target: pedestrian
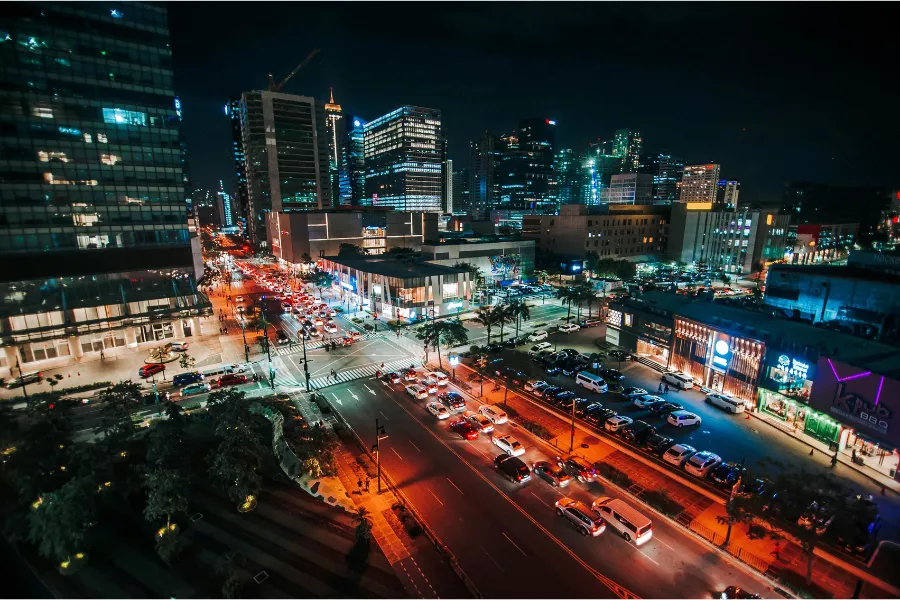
(382,365)
(810,451)
(776,552)
(883,491)
(659,388)
(834,459)
(367,484)
(666,390)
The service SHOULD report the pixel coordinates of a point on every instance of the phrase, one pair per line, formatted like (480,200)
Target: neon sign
(454,305)
(798,369)
(721,354)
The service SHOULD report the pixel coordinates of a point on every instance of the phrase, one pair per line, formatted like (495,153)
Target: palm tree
(485,316)
(521,312)
(542,276)
(454,334)
(503,316)
(431,333)
(566,295)
(363,527)
(581,291)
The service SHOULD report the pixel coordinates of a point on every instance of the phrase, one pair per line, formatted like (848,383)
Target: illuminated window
(101,137)
(109,159)
(118,116)
(629,319)
(44,112)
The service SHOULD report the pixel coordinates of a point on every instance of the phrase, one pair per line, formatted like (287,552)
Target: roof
(843,272)
(866,354)
(667,302)
(391,266)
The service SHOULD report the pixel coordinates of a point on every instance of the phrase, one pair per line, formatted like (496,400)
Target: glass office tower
(101,254)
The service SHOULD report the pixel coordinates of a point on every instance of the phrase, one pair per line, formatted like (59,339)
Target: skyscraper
(242,204)
(448,186)
(727,193)
(667,172)
(335,131)
(286,153)
(223,203)
(354,162)
(461,192)
(628,188)
(699,183)
(404,160)
(100,254)
(485,155)
(567,176)
(526,168)
(627,146)
(597,168)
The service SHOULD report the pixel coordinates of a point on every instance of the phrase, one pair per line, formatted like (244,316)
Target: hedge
(613,474)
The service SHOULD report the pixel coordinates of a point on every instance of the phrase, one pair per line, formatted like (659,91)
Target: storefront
(643,325)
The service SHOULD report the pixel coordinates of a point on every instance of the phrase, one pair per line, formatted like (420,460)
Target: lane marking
(383,415)
(492,558)
(435,497)
(665,544)
(647,556)
(371,391)
(333,395)
(541,500)
(513,543)
(454,485)
(397,453)
(414,446)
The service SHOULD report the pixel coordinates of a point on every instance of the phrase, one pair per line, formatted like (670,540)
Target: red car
(151,369)
(355,335)
(232,379)
(464,429)
(347,340)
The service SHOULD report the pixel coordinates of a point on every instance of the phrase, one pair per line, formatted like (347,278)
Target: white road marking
(383,415)
(454,485)
(371,391)
(397,453)
(337,399)
(540,500)
(355,397)
(513,543)
(435,497)
(647,556)
(414,446)
(656,538)
(491,557)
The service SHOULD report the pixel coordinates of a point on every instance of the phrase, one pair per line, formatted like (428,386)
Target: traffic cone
(748,416)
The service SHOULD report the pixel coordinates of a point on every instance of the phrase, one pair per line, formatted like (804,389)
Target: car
(346,341)
(147,370)
(429,384)
(656,443)
(599,416)
(539,388)
(590,322)
(550,473)
(733,591)
(565,400)
(637,432)
(179,346)
(678,454)
(726,474)
(701,463)
(577,468)
(537,348)
(513,467)
(678,379)
(611,375)
(531,384)
(514,376)
(454,401)
(645,400)
(583,407)
(409,374)
(441,378)
(331,328)
(633,392)
(587,520)
(464,429)
(571,367)
(494,348)
(281,337)
(417,392)
(193,389)
(665,408)
(392,378)
(551,394)
(619,354)
(238,298)
(508,444)
(554,368)
(725,402)
(616,423)
(549,390)
(568,328)
(681,418)
(355,336)
(478,421)
(495,415)
(186,378)
(231,379)
(241,309)
(438,410)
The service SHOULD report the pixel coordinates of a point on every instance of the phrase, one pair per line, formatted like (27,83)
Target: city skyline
(751,108)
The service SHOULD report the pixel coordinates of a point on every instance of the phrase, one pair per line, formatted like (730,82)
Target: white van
(678,379)
(632,525)
(222,370)
(537,336)
(591,382)
(726,403)
(441,378)
(538,347)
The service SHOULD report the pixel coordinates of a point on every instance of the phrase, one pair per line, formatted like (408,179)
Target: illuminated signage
(699,206)
(798,369)
(346,286)
(376,289)
(454,305)
(721,354)
(454,360)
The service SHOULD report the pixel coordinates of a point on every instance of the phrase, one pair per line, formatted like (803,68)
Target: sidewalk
(693,510)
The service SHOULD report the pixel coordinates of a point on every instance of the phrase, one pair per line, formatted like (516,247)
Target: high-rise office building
(336,133)
(484,162)
(223,203)
(667,171)
(448,186)
(241,201)
(286,153)
(99,252)
(567,176)
(526,168)
(353,161)
(698,184)
(627,146)
(727,193)
(461,192)
(204,207)
(628,188)
(597,169)
(404,160)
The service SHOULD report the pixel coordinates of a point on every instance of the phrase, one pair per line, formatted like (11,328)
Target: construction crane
(275,87)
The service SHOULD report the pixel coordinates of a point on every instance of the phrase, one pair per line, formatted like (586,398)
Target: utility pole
(305,363)
(244,335)
(21,378)
(380,434)
(572,435)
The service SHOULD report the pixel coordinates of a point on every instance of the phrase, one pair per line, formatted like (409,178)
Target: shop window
(629,319)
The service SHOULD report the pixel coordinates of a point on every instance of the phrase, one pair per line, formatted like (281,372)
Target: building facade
(485,155)
(567,176)
(448,187)
(336,134)
(628,188)
(502,261)
(811,243)
(734,241)
(224,206)
(526,168)
(461,193)
(241,201)
(699,184)
(727,193)
(405,153)
(667,172)
(100,252)
(286,156)
(353,162)
(627,145)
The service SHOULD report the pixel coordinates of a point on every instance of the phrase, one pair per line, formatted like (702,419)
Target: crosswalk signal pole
(380,434)
(305,363)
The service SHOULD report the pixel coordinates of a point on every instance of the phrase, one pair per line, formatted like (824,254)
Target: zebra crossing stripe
(358,373)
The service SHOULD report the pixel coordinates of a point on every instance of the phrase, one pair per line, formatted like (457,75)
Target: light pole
(305,362)
(380,434)
(244,335)
(22,379)
(572,435)
(454,360)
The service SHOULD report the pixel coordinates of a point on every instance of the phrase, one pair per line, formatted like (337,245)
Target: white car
(569,328)
(616,423)
(537,348)
(533,383)
(441,378)
(509,444)
(678,379)
(495,415)
(479,421)
(238,298)
(331,328)
(632,393)
(725,402)
(680,418)
(645,399)
(678,454)
(417,392)
(438,410)
(702,463)
(429,384)
(194,388)
(179,346)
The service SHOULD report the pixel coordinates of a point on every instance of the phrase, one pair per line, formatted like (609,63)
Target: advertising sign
(721,352)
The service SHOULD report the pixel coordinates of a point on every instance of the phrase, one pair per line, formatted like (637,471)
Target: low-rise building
(643,325)
(501,260)
(809,243)
(732,240)
(614,231)
(399,287)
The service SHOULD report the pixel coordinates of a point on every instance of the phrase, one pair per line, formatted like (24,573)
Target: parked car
(682,418)
(665,408)
(145,371)
(537,348)
(508,444)
(590,322)
(633,392)
(179,346)
(637,432)
(533,383)
(678,379)
(513,467)
(598,417)
(569,328)
(583,407)
(611,375)
(701,463)
(678,454)
(619,354)
(614,424)
(552,474)
(726,474)
(656,443)
(725,402)
(538,336)
(577,468)
(646,400)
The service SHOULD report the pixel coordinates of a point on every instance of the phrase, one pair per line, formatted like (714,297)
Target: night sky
(774,92)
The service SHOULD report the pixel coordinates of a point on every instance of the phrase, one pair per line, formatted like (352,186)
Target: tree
(520,312)
(186,361)
(758,268)
(542,276)
(44,451)
(739,509)
(455,334)
(363,529)
(566,295)
(60,520)
(322,280)
(119,403)
(234,465)
(485,316)
(430,333)
(165,494)
(350,250)
(306,259)
(581,291)
(399,250)
(503,316)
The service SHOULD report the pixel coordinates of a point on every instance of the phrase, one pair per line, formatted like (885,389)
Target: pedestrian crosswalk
(298,348)
(358,373)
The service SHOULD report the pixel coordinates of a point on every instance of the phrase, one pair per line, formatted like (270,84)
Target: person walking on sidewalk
(334,374)
(659,388)
(666,390)
(776,552)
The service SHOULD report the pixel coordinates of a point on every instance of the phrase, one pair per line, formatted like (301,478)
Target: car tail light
(518,478)
(594,527)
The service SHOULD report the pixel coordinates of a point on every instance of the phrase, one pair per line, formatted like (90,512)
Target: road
(498,529)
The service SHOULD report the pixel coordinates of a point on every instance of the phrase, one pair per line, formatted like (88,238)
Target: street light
(454,360)
(380,434)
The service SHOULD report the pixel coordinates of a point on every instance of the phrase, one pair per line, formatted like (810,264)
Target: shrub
(660,500)
(613,474)
(368,327)
(474,349)
(356,320)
